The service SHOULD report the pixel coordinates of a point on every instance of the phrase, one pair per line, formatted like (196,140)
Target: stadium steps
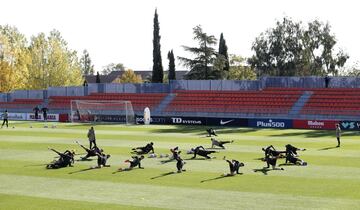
(300,103)
(164,103)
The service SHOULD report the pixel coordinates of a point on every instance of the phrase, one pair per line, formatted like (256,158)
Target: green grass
(330,181)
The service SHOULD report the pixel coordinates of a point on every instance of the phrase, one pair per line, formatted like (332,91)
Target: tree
(113,67)
(86,65)
(129,76)
(98,77)
(202,66)
(223,51)
(290,49)
(239,70)
(157,71)
(52,63)
(171,74)
(14,58)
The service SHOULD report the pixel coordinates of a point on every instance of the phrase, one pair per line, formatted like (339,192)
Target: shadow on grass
(83,170)
(164,174)
(219,177)
(314,133)
(327,148)
(44,164)
(265,170)
(201,130)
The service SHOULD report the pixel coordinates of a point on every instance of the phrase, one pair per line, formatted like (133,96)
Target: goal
(102,111)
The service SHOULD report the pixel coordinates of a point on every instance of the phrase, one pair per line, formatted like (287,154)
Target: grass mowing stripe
(159,196)
(238,146)
(38,203)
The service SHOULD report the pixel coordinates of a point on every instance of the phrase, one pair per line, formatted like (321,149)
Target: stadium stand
(138,100)
(253,102)
(21,104)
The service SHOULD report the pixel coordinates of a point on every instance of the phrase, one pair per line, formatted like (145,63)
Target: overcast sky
(117,31)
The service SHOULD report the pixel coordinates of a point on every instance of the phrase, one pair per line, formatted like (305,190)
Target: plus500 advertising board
(270,123)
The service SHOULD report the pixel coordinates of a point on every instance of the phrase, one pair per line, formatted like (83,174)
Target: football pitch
(331,180)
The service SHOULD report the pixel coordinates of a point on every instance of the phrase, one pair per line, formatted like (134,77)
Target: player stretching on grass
(144,150)
(292,149)
(65,159)
(291,158)
(270,150)
(90,152)
(234,167)
(200,150)
(179,164)
(102,159)
(211,132)
(136,161)
(215,142)
(271,161)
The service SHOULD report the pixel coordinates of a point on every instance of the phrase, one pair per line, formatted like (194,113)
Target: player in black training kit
(102,159)
(271,160)
(211,132)
(270,150)
(234,167)
(179,164)
(65,159)
(218,143)
(291,148)
(90,152)
(36,112)
(200,150)
(136,161)
(144,150)
(291,158)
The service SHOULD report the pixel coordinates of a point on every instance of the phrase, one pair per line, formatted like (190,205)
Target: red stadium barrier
(315,124)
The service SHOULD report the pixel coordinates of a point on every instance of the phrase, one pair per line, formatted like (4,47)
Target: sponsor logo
(270,124)
(315,123)
(179,120)
(225,122)
(152,120)
(350,125)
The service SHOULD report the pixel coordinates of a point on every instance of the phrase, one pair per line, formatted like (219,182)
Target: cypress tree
(171,58)
(157,71)
(223,51)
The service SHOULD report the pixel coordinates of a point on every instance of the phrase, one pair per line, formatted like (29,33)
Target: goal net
(102,111)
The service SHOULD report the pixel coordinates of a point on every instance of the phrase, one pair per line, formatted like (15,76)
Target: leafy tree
(97,77)
(289,49)
(87,68)
(14,57)
(129,76)
(239,70)
(223,51)
(52,63)
(157,71)
(113,67)
(171,74)
(202,66)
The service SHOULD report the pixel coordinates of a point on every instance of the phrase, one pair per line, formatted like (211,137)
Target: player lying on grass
(90,152)
(102,159)
(136,161)
(200,150)
(65,159)
(270,150)
(291,158)
(175,153)
(234,167)
(218,143)
(291,148)
(211,132)
(179,164)
(271,161)
(144,150)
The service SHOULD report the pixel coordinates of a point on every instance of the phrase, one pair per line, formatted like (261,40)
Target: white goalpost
(102,111)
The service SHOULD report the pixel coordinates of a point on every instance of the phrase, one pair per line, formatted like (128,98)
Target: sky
(121,31)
